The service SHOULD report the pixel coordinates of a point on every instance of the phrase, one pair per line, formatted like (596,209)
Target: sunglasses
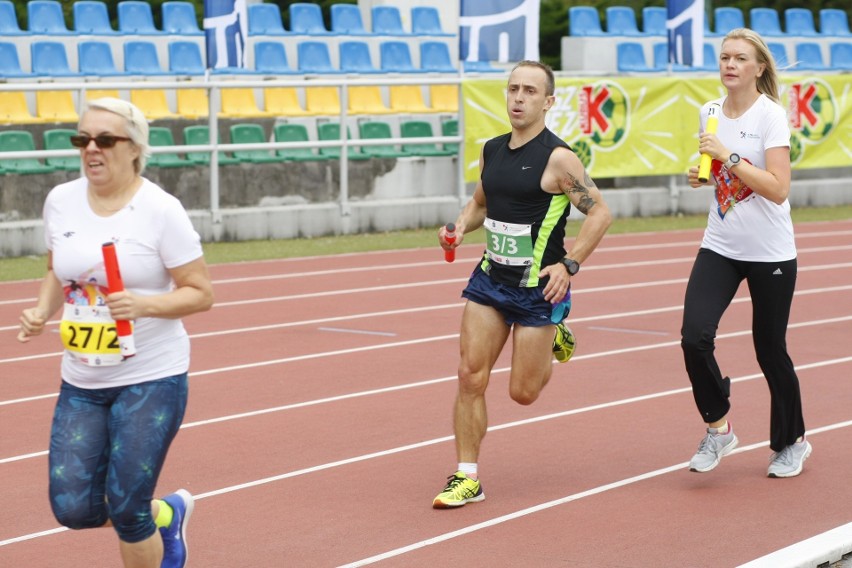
(101,140)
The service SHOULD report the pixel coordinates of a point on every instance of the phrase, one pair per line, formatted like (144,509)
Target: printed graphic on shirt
(730,190)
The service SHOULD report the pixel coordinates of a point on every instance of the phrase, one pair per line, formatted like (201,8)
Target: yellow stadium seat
(100,93)
(56,106)
(322,100)
(283,101)
(407,99)
(192,103)
(152,103)
(367,100)
(444,98)
(240,103)
(14,109)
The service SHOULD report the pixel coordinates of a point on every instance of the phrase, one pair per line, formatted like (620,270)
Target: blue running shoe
(175,551)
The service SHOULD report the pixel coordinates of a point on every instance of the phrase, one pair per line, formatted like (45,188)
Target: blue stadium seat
(425,20)
(765,21)
(584,21)
(661,60)
(179,19)
(49,58)
(435,57)
(10,64)
(654,21)
(355,57)
(91,17)
(95,59)
(799,22)
(140,58)
(630,57)
(809,57)
(396,57)
(265,19)
(314,57)
(271,57)
(387,21)
(621,21)
(480,67)
(185,58)
(46,17)
(9,25)
(726,19)
(307,19)
(834,22)
(135,17)
(840,56)
(346,19)
(779,54)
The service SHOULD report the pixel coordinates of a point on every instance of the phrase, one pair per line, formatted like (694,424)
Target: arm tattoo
(585,202)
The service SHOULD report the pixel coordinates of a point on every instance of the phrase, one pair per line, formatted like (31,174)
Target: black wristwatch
(733,160)
(572,266)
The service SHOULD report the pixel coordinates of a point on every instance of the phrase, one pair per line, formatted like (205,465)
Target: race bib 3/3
(508,243)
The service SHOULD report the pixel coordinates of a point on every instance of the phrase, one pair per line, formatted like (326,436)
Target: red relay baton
(450,237)
(115,284)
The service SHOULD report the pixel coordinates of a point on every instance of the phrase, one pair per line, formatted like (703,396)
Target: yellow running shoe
(564,343)
(460,489)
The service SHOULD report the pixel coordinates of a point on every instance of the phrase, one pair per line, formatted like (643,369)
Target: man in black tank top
(529,178)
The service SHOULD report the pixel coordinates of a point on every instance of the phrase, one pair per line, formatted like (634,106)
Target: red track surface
(319,424)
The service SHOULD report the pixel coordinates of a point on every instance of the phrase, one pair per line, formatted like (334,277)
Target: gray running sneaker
(789,461)
(712,448)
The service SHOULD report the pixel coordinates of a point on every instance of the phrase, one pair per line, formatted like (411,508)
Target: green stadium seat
(252,134)
(375,130)
(199,135)
(331,131)
(21,141)
(162,136)
(60,139)
(295,133)
(420,129)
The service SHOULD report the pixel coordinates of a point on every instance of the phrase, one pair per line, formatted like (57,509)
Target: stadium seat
(630,57)
(265,19)
(355,58)
(451,128)
(295,133)
(307,19)
(621,21)
(140,58)
(396,57)
(10,64)
(765,21)
(654,21)
(152,103)
(779,54)
(251,134)
(661,60)
(162,136)
(91,17)
(407,99)
(92,94)
(387,20)
(199,135)
(192,103)
(136,17)
(366,99)
(179,19)
(727,18)
(15,110)
(49,58)
(314,58)
(346,19)
(480,67)
(240,102)
(809,57)
(20,141)
(444,98)
(435,57)
(584,21)
(328,131)
(60,139)
(420,129)
(95,59)
(9,25)
(271,57)
(46,17)
(832,22)
(322,100)
(799,22)
(282,101)
(426,21)
(185,58)
(375,130)
(56,106)
(840,56)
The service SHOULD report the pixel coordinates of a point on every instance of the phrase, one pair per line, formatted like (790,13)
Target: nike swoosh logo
(525,167)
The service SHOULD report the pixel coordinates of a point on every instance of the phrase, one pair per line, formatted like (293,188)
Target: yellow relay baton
(713,112)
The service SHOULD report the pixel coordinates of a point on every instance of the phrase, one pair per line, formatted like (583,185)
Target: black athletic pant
(712,285)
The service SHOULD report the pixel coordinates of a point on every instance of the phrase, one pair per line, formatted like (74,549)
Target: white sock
(724,428)
(469,469)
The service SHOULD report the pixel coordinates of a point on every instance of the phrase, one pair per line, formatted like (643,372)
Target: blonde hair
(135,123)
(767,82)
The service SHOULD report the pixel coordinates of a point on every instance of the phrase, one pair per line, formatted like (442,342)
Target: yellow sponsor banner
(642,126)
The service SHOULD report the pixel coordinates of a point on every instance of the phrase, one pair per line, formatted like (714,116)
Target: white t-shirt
(152,234)
(742,225)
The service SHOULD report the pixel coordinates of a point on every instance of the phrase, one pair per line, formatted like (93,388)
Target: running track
(319,424)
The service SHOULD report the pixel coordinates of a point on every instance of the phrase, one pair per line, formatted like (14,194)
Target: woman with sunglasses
(117,415)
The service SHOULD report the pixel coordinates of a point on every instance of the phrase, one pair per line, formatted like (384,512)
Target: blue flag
(499,30)
(685,26)
(226,26)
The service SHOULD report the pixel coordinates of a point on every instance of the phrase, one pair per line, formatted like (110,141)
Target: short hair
(550,85)
(767,83)
(134,122)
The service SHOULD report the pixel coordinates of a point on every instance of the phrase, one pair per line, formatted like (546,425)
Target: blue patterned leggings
(107,447)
